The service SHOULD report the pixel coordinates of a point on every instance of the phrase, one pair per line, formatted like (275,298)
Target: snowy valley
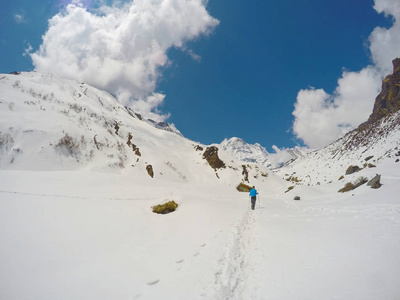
(80,173)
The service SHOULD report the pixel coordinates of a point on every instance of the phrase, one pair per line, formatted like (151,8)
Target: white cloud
(321,118)
(193,55)
(280,156)
(28,50)
(385,43)
(19,18)
(121,49)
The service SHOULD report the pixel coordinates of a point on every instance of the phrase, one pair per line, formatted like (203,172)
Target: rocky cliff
(388,101)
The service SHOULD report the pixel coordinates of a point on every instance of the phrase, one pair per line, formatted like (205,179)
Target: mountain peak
(258,154)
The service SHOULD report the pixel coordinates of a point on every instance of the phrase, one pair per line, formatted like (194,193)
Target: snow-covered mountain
(258,154)
(245,152)
(48,123)
(80,173)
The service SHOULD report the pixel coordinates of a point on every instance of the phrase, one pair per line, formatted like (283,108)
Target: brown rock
(149,169)
(211,155)
(352,169)
(388,101)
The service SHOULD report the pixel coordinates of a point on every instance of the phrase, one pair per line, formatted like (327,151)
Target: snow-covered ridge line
(49,123)
(366,148)
(258,154)
(46,79)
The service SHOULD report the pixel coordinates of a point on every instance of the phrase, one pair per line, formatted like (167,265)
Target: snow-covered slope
(366,149)
(76,219)
(258,154)
(52,124)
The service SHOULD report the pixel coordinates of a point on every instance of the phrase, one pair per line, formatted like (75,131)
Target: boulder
(149,169)
(352,169)
(165,208)
(375,183)
(241,187)
(211,155)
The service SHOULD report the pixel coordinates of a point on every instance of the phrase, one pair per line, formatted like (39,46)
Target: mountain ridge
(93,130)
(53,124)
(258,154)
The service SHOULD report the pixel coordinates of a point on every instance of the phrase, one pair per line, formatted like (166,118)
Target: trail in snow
(230,280)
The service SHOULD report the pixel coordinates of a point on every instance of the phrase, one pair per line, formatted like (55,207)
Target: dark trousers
(253,201)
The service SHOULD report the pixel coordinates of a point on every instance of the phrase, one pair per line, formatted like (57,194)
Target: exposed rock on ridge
(211,155)
(388,100)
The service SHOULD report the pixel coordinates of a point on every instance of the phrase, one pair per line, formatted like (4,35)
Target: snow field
(87,235)
(95,237)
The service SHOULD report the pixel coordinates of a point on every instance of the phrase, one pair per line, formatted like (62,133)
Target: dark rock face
(245,173)
(211,155)
(149,169)
(352,169)
(388,101)
(198,148)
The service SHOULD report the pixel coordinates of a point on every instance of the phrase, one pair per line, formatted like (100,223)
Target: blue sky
(242,76)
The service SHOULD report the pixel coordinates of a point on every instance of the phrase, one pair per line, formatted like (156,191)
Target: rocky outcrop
(149,169)
(211,155)
(385,116)
(375,182)
(388,100)
(352,169)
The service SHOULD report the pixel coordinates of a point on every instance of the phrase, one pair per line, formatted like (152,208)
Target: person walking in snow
(253,195)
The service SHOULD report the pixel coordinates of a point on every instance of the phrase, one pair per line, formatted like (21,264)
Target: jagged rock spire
(388,101)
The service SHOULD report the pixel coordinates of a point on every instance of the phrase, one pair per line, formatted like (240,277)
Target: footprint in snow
(154,282)
(202,245)
(196,254)
(180,261)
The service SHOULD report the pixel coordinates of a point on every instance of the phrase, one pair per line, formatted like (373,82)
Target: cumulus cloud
(121,49)
(321,118)
(385,43)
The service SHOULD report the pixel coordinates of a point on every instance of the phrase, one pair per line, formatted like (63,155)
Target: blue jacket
(253,192)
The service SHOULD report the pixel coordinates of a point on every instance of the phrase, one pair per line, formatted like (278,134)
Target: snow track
(231,276)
